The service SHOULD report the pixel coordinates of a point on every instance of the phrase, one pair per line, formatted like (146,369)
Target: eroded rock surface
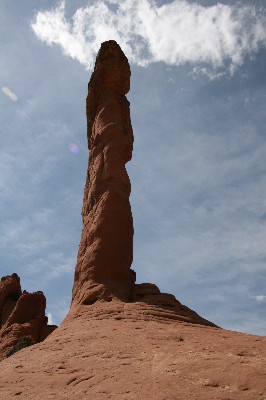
(115,350)
(10,291)
(21,315)
(106,248)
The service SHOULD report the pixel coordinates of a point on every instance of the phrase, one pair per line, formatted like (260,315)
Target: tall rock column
(106,248)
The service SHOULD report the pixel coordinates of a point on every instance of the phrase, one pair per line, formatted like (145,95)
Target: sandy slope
(121,351)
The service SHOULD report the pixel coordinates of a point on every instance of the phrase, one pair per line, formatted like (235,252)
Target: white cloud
(9,93)
(260,298)
(175,33)
(24,233)
(211,74)
(50,318)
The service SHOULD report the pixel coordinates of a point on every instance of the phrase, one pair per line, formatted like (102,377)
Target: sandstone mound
(116,350)
(21,315)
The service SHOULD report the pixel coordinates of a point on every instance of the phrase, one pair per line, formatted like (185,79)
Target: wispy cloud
(24,235)
(220,36)
(260,298)
(9,93)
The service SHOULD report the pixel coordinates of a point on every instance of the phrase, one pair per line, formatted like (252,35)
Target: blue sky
(198,171)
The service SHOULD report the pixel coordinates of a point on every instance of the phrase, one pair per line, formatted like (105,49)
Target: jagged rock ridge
(22,314)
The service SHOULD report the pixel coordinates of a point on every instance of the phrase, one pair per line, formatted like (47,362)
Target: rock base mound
(115,350)
(147,304)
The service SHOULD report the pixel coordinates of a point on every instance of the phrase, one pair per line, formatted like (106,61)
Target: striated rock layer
(21,314)
(120,351)
(106,247)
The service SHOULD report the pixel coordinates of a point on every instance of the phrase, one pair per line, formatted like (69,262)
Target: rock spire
(106,248)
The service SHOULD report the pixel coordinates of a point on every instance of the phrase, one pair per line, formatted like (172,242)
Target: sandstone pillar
(106,248)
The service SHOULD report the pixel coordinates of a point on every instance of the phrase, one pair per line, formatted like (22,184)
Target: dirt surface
(122,351)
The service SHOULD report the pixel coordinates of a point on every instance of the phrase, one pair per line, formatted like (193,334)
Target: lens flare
(73,147)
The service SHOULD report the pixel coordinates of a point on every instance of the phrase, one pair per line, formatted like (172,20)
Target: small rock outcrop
(21,315)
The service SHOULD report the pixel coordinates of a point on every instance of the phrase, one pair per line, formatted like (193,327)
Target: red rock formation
(130,355)
(10,291)
(106,248)
(151,347)
(21,314)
